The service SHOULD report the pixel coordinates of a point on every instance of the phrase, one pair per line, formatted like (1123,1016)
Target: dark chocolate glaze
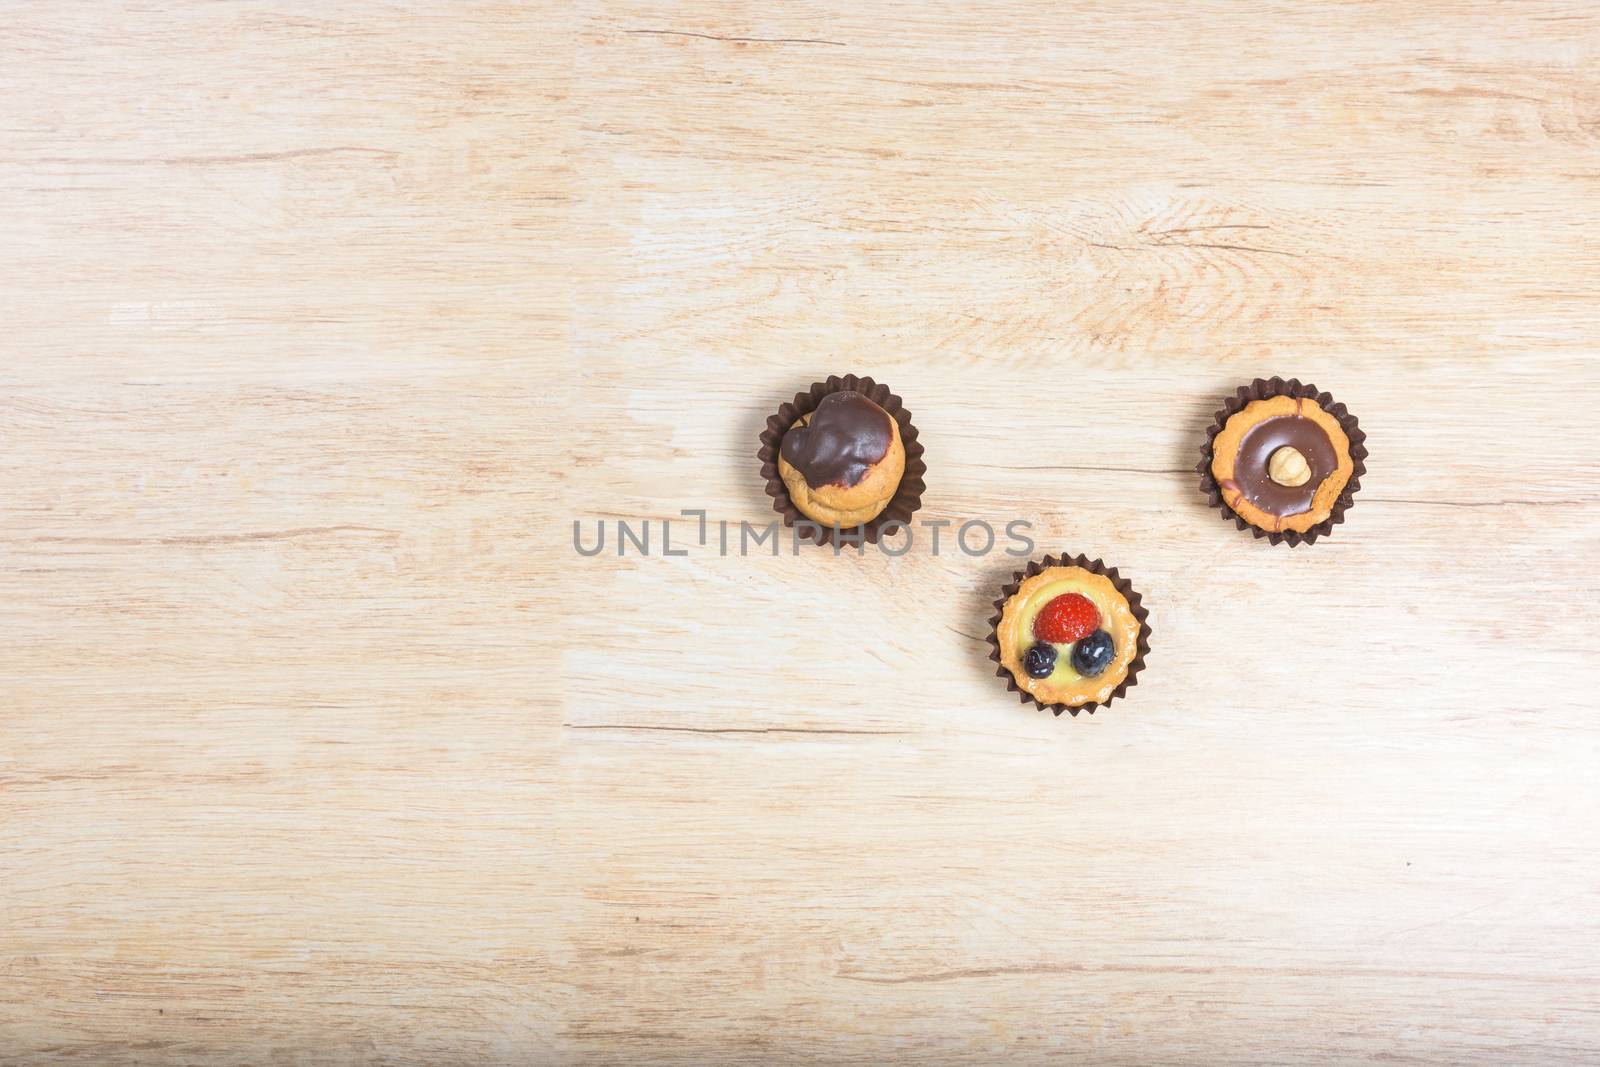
(845,435)
(1250,477)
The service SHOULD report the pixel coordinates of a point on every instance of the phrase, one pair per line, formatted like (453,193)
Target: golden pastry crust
(1066,686)
(1225,453)
(847,506)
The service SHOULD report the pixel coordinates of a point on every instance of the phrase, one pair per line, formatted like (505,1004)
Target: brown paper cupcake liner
(907,498)
(1261,389)
(1122,586)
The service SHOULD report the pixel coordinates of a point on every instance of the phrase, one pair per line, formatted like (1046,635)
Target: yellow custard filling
(1064,674)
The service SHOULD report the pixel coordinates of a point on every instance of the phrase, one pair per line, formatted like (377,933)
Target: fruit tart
(1070,634)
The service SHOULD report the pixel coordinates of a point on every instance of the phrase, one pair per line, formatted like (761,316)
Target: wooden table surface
(320,743)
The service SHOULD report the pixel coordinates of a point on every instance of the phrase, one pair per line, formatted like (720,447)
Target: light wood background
(322,323)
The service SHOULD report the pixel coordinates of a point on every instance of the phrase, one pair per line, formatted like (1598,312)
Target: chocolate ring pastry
(1281,463)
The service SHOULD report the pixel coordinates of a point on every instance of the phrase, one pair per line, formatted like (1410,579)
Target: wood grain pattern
(320,744)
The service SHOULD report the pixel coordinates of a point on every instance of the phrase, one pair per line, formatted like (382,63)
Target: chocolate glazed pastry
(836,445)
(850,471)
(837,457)
(1283,460)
